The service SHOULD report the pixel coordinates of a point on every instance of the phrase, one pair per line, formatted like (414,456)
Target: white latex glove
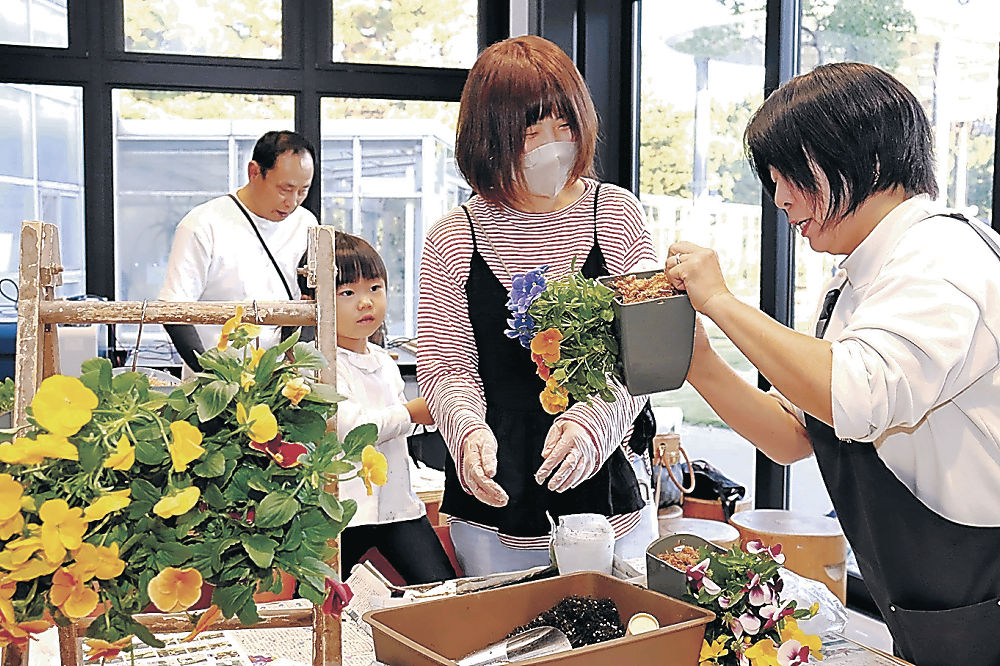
(569,452)
(479,466)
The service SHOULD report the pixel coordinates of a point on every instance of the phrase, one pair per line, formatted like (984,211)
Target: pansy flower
(714,650)
(296,389)
(285,454)
(554,398)
(108,503)
(174,589)
(62,405)
(62,528)
(25,451)
(124,456)
(337,597)
(233,325)
(546,345)
(71,594)
(756,546)
(206,620)
(98,648)
(762,653)
(374,468)
(177,503)
(11,492)
(98,561)
(263,425)
(185,444)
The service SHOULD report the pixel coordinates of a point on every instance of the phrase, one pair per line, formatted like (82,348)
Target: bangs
(357,260)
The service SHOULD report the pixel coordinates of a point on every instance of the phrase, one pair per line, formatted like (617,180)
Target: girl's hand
(479,466)
(695,270)
(419,412)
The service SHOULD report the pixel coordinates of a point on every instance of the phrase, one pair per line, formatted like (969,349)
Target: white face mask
(546,168)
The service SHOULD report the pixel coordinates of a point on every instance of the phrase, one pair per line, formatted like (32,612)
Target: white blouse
(916,358)
(373,392)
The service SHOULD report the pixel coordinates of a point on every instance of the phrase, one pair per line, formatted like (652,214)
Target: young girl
(392,518)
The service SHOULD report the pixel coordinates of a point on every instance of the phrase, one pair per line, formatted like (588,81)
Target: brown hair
(514,84)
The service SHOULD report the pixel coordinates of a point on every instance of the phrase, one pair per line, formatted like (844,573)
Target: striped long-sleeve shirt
(447,359)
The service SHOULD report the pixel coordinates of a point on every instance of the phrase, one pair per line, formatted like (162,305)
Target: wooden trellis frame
(37,357)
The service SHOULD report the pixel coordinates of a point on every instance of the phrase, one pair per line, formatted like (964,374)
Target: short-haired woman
(898,395)
(525,143)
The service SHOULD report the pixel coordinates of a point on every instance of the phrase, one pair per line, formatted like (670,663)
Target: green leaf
(248,612)
(307,356)
(214,464)
(143,633)
(315,567)
(144,491)
(276,509)
(323,393)
(231,598)
(178,401)
(150,452)
(213,497)
(91,455)
(260,549)
(331,505)
(214,398)
(339,467)
(359,438)
(95,374)
(302,425)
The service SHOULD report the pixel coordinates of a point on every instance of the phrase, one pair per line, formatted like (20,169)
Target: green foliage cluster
(254,517)
(581,309)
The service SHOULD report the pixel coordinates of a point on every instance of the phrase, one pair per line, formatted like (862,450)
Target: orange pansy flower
(546,344)
(98,648)
(174,589)
(70,593)
(207,619)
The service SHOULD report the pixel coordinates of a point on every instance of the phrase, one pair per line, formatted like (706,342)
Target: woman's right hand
(696,270)
(479,466)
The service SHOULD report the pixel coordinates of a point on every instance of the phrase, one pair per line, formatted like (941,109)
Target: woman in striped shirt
(526,136)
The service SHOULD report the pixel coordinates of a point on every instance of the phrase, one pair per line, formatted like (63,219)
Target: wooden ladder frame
(37,357)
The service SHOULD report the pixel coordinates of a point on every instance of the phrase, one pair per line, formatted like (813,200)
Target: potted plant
(753,625)
(116,497)
(582,331)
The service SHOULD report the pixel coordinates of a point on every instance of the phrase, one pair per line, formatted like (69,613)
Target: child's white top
(373,392)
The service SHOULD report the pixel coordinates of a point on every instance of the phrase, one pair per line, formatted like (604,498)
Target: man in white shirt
(246,245)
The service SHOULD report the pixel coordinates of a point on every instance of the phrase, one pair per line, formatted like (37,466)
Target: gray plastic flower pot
(665,578)
(655,339)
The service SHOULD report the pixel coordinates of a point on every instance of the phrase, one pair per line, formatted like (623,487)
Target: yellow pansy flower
(17,552)
(247,380)
(109,503)
(33,568)
(185,444)
(10,496)
(11,526)
(124,456)
(790,631)
(296,389)
(62,528)
(264,427)
(374,468)
(712,651)
(63,405)
(177,503)
(24,451)
(174,589)
(71,595)
(255,356)
(232,325)
(100,561)
(762,653)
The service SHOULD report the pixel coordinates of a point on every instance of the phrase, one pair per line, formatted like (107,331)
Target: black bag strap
(270,256)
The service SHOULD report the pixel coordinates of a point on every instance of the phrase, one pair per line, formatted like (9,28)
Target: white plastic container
(584,542)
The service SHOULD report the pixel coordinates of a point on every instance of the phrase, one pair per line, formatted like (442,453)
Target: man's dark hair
(273,144)
(858,125)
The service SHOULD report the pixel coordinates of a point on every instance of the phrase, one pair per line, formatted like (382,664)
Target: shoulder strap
(270,256)
(979,228)
(597,193)
(472,227)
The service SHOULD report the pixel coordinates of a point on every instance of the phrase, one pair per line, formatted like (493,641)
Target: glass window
(226,28)
(431,33)
(388,173)
(702,78)
(41,173)
(173,151)
(34,23)
(946,54)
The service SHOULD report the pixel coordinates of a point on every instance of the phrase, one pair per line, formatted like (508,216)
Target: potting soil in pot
(633,289)
(585,621)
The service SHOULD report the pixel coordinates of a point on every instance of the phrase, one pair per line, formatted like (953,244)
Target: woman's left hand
(566,446)
(696,270)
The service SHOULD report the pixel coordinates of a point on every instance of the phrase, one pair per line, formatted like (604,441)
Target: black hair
(858,125)
(273,144)
(358,260)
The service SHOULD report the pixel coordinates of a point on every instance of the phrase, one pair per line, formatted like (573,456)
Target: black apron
(936,582)
(514,413)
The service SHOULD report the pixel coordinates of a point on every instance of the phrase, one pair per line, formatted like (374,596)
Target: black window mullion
(777,248)
(98,152)
(312,35)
